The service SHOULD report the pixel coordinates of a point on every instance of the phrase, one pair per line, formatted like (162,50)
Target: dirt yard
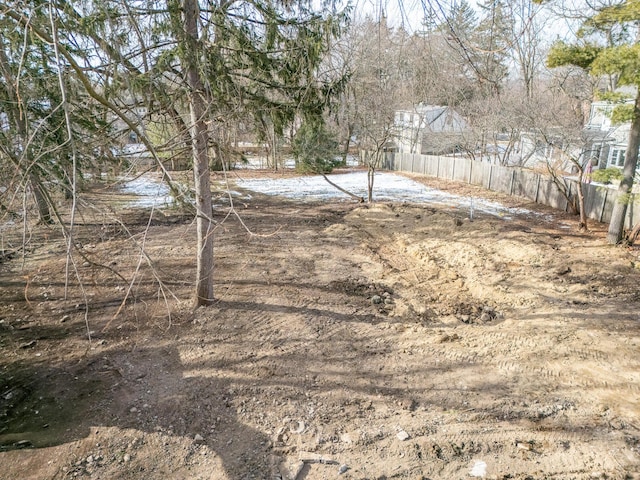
(390,341)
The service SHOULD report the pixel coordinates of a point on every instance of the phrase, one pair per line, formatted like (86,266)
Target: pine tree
(492,43)
(217,60)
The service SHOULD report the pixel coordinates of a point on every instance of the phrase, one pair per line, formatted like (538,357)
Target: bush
(607,175)
(314,148)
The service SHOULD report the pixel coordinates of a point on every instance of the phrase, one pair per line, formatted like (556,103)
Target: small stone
(479,469)
(90,459)
(402,435)
(198,438)
(299,429)
(133,410)
(65,318)
(343,469)
(376,299)
(126,458)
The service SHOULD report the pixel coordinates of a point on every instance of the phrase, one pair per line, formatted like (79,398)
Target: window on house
(617,157)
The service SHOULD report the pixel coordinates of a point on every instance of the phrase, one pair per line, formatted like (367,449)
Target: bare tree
(380,75)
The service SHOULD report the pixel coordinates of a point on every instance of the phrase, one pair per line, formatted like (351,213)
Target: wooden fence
(599,200)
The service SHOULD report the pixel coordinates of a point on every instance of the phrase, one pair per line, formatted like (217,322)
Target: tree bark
(20,123)
(581,208)
(616,224)
(200,147)
(44,213)
(347,144)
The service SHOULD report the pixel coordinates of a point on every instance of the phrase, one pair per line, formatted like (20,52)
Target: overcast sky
(410,13)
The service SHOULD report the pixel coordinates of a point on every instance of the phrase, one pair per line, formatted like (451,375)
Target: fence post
(490,175)
(470,170)
(537,188)
(604,204)
(513,180)
(453,170)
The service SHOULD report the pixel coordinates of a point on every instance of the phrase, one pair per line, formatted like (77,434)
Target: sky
(410,13)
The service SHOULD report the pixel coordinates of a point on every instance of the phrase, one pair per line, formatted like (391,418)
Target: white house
(602,142)
(428,129)
(608,141)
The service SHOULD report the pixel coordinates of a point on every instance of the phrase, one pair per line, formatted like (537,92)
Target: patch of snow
(387,187)
(150,192)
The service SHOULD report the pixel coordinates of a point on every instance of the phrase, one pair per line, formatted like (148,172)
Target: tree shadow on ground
(43,405)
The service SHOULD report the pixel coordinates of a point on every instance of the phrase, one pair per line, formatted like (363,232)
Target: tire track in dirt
(551,373)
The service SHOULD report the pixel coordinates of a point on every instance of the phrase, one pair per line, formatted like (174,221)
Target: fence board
(501,178)
(462,170)
(445,168)
(633,212)
(479,171)
(525,184)
(432,165)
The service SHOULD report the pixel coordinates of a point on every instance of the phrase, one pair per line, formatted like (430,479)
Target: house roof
(431,113)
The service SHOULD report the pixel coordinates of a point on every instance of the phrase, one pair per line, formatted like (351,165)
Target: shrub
(607,175)
(314,147)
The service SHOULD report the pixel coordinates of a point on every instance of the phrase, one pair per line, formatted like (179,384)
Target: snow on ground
(387,187)
(151,192)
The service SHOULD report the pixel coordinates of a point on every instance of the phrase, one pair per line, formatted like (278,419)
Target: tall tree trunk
(44,213)
(616,225)
(347,144)
(371,175)
(199,142)
(581,208)
(20,123)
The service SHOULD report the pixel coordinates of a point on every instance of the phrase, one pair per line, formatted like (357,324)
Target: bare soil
(347,341)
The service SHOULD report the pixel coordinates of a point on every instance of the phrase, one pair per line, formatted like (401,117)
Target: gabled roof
(431,113)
